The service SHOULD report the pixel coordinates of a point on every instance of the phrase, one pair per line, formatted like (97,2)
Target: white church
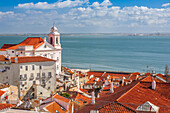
(36,46)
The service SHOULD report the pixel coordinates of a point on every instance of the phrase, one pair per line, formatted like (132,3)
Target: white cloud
(45,5)
(103,16)
(165,5)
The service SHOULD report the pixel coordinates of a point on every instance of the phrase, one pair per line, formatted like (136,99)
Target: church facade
(36,46)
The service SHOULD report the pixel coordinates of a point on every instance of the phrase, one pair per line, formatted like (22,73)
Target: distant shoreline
(80,34)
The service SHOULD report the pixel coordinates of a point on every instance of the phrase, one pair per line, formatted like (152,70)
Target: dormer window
(45,46)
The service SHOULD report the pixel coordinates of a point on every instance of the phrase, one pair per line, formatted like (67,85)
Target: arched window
(56,40)
(51,40)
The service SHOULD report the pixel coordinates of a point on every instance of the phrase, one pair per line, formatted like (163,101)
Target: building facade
(26,71)
(36,46)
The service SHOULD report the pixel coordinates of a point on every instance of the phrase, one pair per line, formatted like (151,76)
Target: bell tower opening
(51,40)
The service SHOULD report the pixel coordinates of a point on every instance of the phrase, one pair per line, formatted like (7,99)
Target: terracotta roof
(1,92)
(140,94)
(2,49)
(56,96)
(161,88)
(82,99)
(26,59)
(83,90)
(53,106)
(5,106)
(136,73)
(34,41)
(106,97)
(148,74)
(115,108)
(3,58)
(150,79)
(5,46)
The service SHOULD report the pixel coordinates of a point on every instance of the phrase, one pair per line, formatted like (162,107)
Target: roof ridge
(127,91)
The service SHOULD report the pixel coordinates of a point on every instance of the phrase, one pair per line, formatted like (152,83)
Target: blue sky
(85,16)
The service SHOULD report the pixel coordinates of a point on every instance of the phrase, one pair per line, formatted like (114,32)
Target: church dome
(54,28)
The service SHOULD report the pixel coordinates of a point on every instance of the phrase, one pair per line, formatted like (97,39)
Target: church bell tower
(54,37)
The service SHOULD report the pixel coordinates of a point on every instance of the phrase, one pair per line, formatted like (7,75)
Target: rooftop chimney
(111,87)
(93,97)
(153,85)
(44,39)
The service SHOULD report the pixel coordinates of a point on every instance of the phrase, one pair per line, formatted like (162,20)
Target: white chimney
(16,59)
(153,85)
(93,97)
(111,87)
(44,39)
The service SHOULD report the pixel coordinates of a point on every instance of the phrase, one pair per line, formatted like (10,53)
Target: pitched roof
(56,96)
(82,99)
(106,97)
(3,58)
(26,59)
(140,94)
(5,106)
(150,79)
(115,107)
(5,46)
(1,92)
(34,41)
(54,106)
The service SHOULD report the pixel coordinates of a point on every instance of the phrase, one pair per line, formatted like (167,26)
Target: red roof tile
(150,79)
(56,96)
(54,106)
(140,94)
(26,59)
(34,41)
(5,106)
(115,108)
(1,92)
(5,46)
(3,58)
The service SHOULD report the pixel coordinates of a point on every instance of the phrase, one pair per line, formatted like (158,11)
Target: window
(57,58)
(45,46)
(7,77)
(20,67)
(49,81)
(32,76)
(33,67)
(43,74)
(21,52)
(41,93)
(25,83)
(57,66)
(25,76)
(20,77)
(26,68)
(34,82)
(25,87)
(49,74)
(38,75)
(20,82)
(12,51)
(21,89)
(48,87)
(40,67)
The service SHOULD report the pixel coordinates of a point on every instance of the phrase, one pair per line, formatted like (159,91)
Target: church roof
(26,59)
(34,41)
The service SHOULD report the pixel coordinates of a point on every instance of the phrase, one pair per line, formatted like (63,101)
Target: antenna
(53,24)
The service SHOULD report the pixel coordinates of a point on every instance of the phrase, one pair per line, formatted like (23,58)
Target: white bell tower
(54,37)
(54,40)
